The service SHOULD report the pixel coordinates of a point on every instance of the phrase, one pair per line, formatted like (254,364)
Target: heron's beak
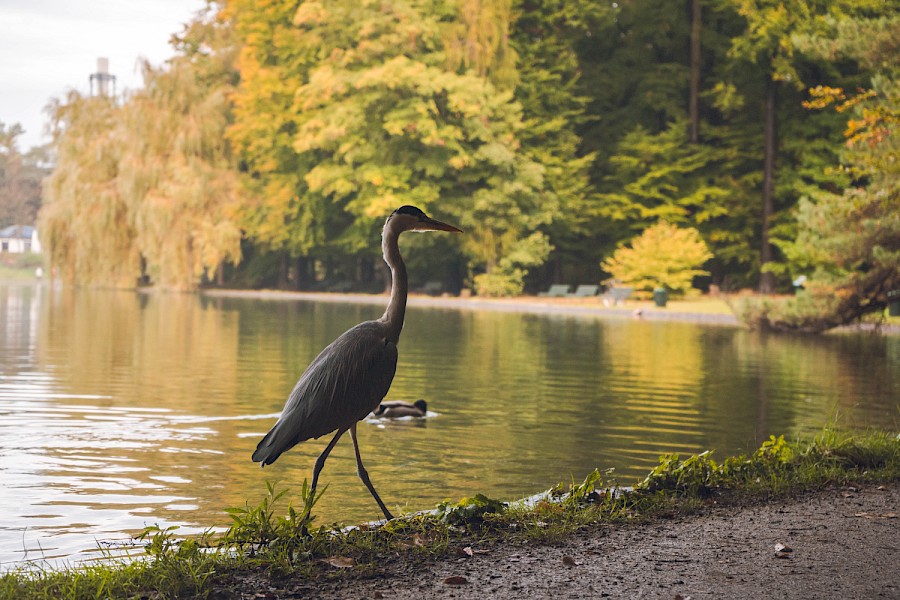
(429,224)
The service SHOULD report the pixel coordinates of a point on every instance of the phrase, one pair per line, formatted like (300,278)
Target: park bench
(556,291)
(585,291)
(432,288)
(617,295)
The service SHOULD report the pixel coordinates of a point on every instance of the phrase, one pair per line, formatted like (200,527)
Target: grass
(261,544)
(19,267)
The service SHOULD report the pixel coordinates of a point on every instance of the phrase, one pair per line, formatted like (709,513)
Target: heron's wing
(341,386)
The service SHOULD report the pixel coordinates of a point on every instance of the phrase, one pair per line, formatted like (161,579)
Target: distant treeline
(270,149)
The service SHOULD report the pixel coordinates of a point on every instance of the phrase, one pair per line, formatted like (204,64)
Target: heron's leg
(361,471)
(320,462)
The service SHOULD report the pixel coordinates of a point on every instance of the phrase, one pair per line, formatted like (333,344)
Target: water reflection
(120,410)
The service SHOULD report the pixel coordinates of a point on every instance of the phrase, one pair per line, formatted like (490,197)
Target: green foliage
(470,513)
(692,476)
(499,284)
(370,117)
(550,131)
(848,242)
(663,177)
(260,524)
(663,256)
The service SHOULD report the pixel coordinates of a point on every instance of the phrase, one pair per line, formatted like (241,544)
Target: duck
(397,408)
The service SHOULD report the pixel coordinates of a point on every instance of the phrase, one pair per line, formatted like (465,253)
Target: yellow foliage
(663,256)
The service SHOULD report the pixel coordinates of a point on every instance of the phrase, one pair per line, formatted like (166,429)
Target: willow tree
(368,116)
(176,167)
(146,188)
(85,223)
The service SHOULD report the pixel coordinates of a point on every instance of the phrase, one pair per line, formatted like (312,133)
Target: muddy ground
(840,543)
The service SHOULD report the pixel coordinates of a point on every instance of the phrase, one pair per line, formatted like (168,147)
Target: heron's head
(420,404)
(410,218)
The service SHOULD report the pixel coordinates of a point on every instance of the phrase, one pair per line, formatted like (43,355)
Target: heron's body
(341,386)
(351,376)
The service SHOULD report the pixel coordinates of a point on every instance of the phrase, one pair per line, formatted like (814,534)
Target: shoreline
(589,307)
(717,311)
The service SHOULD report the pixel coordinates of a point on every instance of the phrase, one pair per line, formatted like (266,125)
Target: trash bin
(660,297)
(894,303)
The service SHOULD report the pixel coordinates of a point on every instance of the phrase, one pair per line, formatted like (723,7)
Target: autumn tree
(85,223)
(146,188)
(20,178)
(373,117)
(663,256)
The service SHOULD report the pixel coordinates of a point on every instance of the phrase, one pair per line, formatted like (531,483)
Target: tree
(849,242)
(85,224)
(374,118)
(768,43)
(696,58)
(663,256)
(546,36)
(146,188)
(20,178)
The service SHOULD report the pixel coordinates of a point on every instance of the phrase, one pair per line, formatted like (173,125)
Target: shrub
(663,256)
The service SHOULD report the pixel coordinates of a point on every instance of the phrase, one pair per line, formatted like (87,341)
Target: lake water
(120,410)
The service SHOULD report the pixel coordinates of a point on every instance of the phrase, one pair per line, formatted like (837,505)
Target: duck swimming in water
(398,408)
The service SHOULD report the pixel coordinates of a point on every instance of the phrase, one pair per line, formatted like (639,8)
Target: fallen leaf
(569,561)
(340,562)
(468,551)
(456,580)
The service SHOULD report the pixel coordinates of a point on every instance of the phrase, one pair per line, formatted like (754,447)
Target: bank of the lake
(701,309)
(812,519)
(842,542)
(712,310)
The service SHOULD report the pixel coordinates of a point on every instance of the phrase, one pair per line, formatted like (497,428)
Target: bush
(499,284)
(664,256)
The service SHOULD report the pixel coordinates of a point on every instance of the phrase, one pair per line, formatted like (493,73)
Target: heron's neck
(396,308)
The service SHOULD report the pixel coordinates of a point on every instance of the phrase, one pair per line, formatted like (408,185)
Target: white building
(19,239)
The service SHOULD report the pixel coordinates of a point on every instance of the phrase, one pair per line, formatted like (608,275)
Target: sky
(48,47)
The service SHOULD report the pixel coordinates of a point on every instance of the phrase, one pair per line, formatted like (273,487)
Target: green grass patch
(273,539)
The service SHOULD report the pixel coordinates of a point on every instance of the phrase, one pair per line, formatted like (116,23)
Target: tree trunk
(694,101)
(301,271)
(766,279)
(283,272)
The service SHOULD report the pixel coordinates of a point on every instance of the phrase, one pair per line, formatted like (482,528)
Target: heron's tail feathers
(267,450)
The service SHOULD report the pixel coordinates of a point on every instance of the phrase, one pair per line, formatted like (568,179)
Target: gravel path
(844,543)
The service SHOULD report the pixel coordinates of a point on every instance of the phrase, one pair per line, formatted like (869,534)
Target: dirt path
(845,544)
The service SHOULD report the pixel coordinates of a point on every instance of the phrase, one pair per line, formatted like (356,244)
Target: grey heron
(352,375)
(398,408)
